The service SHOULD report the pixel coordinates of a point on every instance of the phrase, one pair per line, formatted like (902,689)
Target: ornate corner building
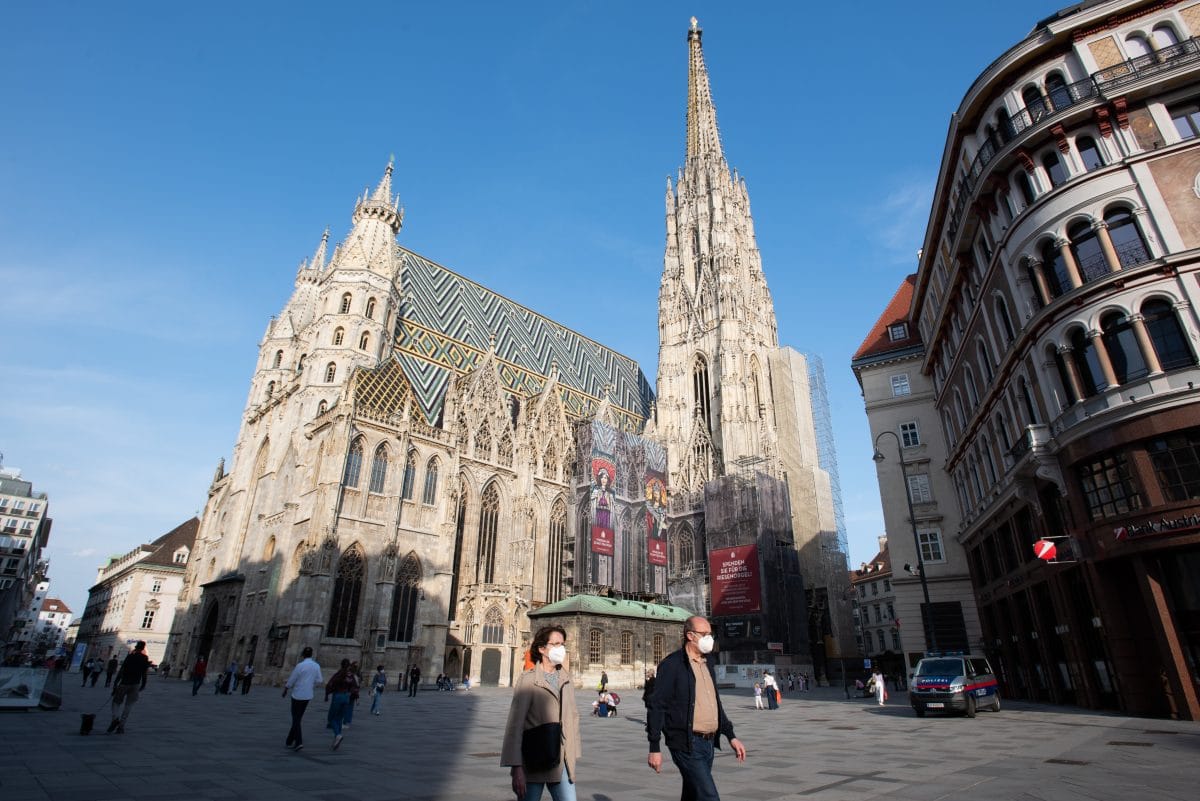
(1056,301)
(422,462)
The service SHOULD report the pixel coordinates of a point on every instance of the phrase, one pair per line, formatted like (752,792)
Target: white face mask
(557,654)
(705,644)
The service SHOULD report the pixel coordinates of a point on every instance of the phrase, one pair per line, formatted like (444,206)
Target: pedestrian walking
(199,670)
(247,678)
(230,682)
(603,680)
(880,688)
(356,674)
(378,685)
(97,669)
(541,739)
(770,689)
(338,688)
(86,670)
(131,680)
(305,676)
(113,664)
(686,710)
(414,680)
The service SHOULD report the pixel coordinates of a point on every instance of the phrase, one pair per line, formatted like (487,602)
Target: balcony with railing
(1099,85)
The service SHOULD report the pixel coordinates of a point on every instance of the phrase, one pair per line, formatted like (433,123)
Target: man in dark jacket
(686,709)
(131,680)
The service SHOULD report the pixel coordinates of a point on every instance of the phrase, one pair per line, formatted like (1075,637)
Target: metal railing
(1132,253)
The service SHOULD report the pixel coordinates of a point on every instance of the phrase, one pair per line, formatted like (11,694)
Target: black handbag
(541,746)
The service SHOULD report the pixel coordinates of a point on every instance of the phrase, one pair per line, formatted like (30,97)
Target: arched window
(1121,344)
(505,450)
(1005,321)
(948,428)
(1166,335)
(972,390)
(1137,46)
(347,590)
(657,647)
(1056,89)
(1027,399)
(550,462)
(379,466)
(322,407)
(1054,168)
(489,518)
(1054,269)
(1001,431)
(483,443)
(1126,237)
(555,553)
(353,463)
(429,494)
(410,476)
(960,411)
(1086,363)
(626,647)
(1064,378)
(700,391)
(339,336)
(345,307)
(1035,104)
(1089,256)
(370,310)
(685,547)
(278,358)
(270,389)
(493,627)
(985,361)
(460,530)
(330,373)
(1025,187)
(596,647)
(1089,153)
(404,599)
(1164,36)
(364,341)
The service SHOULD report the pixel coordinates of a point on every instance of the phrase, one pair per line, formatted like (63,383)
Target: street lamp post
(930,632)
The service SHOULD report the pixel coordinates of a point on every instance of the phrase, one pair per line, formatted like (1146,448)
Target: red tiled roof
(878,341)
(54,605)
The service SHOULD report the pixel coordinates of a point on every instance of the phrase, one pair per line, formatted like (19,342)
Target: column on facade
(1064,250)
(1181,689)
(1068,353)
(1106,245)
(1106,365)
(1039,281)
(1149,355)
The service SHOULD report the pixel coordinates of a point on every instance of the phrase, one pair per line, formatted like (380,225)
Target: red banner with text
(736,587)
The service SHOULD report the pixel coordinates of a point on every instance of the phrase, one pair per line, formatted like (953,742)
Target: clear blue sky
(164,168)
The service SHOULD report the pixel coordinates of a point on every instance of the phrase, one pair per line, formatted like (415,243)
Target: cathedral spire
(703,140)
(380,204)
(318,259)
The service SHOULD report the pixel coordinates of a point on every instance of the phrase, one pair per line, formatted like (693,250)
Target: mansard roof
(183,535)
(879,341)
(448,323)
(613,607)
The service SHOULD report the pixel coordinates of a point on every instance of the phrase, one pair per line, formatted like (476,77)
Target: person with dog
(131,680)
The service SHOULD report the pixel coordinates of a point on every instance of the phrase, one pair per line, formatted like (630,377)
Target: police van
(953,683)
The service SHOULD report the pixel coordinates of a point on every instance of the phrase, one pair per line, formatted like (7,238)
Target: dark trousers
(108,678)
(295,736)
(412,687)
(246,684)
(196,682)
(772,699)
(696,770)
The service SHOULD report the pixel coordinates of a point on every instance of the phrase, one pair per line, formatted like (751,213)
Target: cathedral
(423,464)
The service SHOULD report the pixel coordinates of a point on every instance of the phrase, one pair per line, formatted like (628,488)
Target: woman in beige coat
(539,696)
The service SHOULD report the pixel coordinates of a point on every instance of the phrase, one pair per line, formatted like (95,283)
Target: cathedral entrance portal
(451,666)
(207,632)
(489,668)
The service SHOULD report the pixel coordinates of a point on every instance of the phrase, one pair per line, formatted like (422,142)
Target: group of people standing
(93,667)
(227,681)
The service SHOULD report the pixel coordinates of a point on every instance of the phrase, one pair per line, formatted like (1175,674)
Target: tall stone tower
(716,319)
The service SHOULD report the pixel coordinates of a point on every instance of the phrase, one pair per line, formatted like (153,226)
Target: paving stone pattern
(817,746)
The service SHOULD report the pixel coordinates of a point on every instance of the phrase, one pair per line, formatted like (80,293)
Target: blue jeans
(348,714)
(559,791)
(337,709)
(696,770)
(196,682)
(376,698)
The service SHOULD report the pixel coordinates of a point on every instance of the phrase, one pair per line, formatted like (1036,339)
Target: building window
(1085,245)
(918,489)
(895,640)
(1108,488)
(339,336)
(898,332)
(1121,344)
(700,390)
(347,590)
(1176,460)
(1126,237)
(379,466)
(931,546)
(148,619)
(353,464)
(879,635)
(657,649)
(555,554)
(1186,117)
(878,614)
(900,385)
(181,556)
(1025,187)
(322,407)
(345,307)
(493,627)
(1087,363)
(1089,153)
(156,586)
(364,341)
(891,611)
(429,494)
(408,485)
(278,358)
(489,516)
(887,587)
(596,647)
(1166,335)
(404,602)
(1055,170)
(874,587)
(330,373)
(626,647)
(909,434)
(370,312)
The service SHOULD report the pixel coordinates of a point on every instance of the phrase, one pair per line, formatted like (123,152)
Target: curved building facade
(1057,293)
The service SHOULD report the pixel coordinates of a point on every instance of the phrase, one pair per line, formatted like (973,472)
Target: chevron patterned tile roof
(447,322)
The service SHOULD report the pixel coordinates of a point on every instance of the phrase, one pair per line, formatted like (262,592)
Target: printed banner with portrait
(656,517)
(603,473)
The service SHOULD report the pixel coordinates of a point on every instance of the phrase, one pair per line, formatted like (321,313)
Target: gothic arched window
(489,518)
(322,407)
(353,464)
(278,358)
(379,465)
(700,391)
(404,601)
(493,627)
(364,341)
(370,310)
(685,547)
(483,443)
(460,527)
(347,589)
(410,476)
(345,307)
(550,462)
(339,335)
(330,373)
(505,455)
(270,389)
(429,494)
(555,554)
